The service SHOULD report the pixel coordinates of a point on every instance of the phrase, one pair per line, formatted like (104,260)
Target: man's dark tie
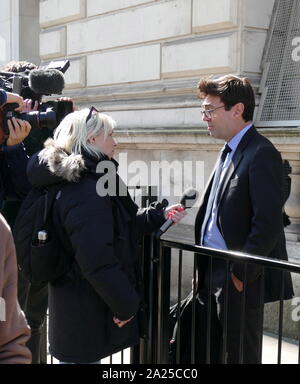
(215,187)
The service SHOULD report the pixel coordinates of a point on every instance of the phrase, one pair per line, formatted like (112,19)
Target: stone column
(19,31)
(9,31)
(292,206)
(29,31)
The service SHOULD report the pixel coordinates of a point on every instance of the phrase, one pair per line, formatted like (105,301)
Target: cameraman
(14,332)
(13,157)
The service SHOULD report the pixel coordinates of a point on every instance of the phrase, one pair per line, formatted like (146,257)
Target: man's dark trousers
(252,321)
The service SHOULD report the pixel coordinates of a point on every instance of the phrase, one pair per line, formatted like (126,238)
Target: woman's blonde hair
(74,132)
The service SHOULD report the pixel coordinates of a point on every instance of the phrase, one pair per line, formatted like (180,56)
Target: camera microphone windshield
(46,82)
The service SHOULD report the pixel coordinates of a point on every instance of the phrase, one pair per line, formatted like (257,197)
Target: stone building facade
(140,61)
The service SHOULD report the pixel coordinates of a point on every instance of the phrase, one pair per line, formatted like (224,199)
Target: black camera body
(43,81)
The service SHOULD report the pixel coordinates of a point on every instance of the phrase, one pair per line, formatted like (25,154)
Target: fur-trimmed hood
(53,165)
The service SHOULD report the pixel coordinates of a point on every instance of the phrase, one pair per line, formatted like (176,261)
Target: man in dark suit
(241,210)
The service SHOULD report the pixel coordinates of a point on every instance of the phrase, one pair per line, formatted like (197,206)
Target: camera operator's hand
(14,98)
(69,100)
(18,131)
(29,106)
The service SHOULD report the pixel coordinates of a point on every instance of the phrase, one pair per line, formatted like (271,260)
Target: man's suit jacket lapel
(201,215)
(208,186)
(235,161)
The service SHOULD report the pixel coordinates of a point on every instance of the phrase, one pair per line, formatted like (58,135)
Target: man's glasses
(208,112)
(92,109)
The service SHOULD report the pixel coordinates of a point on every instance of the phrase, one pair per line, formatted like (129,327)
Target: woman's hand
(175,212)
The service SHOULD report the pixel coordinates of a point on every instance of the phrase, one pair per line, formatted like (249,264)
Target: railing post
(178,317)
(164,279)
(147,343)
(225,320)
(44,340)
(261,306)
(280,319)
(145,353)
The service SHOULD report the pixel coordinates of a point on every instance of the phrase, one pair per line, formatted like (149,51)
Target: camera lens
(32,118)
(48,119)
(40,120)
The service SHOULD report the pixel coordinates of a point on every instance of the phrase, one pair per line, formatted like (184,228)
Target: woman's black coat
(101,236)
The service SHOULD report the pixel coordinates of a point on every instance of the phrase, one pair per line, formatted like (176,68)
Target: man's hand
(239,285)
(175,212)
(121,323)
(18,131)
(14,98)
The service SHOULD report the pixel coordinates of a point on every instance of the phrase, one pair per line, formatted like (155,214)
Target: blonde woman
(93,308)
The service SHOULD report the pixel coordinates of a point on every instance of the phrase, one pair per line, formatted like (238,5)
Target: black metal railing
(159,338)
(157,256)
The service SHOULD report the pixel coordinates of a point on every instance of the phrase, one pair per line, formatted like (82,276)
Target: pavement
(289,352)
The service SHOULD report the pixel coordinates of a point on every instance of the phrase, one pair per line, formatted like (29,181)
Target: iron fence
(157,256)
(160,338)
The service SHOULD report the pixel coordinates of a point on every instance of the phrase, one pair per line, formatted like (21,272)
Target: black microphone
(46,82)
(188,199)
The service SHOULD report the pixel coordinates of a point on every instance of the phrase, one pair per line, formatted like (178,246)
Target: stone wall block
(207,55)
(98,7)
(156,118)
(75,76)
(127,65)
(138,25)
(253,43)
(257,13)
(54,12)
(214,15)
(53,44)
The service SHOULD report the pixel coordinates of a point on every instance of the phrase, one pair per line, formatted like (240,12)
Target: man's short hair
(231,90)
(18,66)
